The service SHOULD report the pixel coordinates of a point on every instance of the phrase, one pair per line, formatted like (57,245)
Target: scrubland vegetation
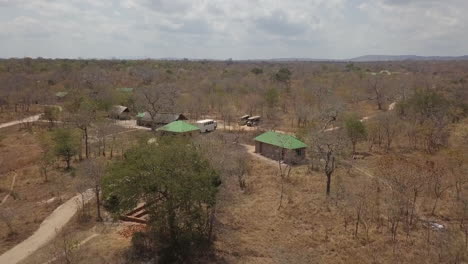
(385,179)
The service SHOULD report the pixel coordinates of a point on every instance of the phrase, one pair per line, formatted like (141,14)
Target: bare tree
(375,87)
(93,171)
(157,99)
(7,216)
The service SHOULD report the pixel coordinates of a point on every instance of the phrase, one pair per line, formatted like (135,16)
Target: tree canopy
(177,184)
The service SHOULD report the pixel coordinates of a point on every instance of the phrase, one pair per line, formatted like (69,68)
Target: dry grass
(19,154)
(95,242)
(310,227)
(11,115)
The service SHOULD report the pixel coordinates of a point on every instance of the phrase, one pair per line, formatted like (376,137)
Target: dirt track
(47,230)
(33,118)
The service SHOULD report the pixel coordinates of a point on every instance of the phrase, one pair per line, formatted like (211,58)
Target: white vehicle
(207,125)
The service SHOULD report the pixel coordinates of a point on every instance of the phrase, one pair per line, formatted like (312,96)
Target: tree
(66,144)
(157,99)
(83,117)
(355,130)
(272,97)
(93,170)
(51,113)
(284,76)
(47,155)
(327,147)
(7,216)
(374,85)
(178,186)
(257,71)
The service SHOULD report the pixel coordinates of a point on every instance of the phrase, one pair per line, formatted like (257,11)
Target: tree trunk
(434,206)
(86,142)
(68,159)
(98,204)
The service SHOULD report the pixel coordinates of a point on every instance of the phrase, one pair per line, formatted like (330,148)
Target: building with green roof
(279,146)
(178,127)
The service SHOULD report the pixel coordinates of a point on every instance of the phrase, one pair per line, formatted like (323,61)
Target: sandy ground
(33,118)
(130,124)
(47,230)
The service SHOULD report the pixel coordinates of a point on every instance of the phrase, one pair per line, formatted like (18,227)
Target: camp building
(144,119)
(179,128)
(120,112)
(280,146)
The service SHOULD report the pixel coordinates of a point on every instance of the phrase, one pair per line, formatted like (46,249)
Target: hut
(120,112)
(280,146)
(179,128)
(144,119)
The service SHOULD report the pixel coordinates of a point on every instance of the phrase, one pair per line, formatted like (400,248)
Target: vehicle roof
(254,117)
(204,121)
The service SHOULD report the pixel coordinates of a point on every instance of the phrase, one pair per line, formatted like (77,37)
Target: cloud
(238,29)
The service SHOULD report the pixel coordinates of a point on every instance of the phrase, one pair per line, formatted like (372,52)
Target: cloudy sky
(238,29)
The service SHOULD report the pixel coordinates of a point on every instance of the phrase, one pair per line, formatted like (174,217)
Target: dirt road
(47,230)
(130,124)
(33,118)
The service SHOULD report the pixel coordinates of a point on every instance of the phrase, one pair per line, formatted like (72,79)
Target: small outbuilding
(120,112)
(179,128)
(144,119)
(280,146)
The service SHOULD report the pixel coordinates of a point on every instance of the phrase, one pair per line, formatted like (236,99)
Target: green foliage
(66,144)
(257,71)
(283,75)
(355,130)
(351,67)
(177,184)
(272,97)
(424,104)
(51,113)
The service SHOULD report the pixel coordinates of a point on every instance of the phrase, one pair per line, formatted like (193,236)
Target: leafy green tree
(257,71)
(178,186)
(51,113)
(67,144)
(272,97)
(355,130)
(47,155)
(283,75)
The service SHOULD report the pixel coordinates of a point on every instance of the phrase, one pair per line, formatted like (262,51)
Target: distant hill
(406,57)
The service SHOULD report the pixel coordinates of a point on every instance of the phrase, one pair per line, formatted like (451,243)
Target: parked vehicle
(253,121)
(207,125)
(243,120)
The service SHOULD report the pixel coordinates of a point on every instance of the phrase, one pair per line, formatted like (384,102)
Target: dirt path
(47,230)
(130,124)
(33,118)
(251,150)
(11,188)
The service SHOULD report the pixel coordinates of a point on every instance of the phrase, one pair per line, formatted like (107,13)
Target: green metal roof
(280,140)
(124,89)
(178,127)
(142,114)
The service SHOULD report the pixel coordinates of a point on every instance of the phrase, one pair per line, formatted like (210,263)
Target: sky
(237,29)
